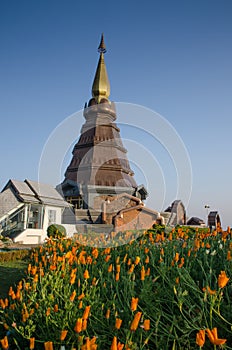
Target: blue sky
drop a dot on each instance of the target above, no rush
(173, 57)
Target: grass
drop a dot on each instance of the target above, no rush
(11, 272)
(13, 264)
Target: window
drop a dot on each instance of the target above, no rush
(51, 217)
(35, 216)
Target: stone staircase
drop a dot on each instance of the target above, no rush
(87, 220)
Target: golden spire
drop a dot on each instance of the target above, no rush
(101, 85)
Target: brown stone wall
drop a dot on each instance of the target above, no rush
(134, 219)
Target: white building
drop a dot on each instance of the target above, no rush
(27, 208)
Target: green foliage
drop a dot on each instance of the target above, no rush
(56, 231)
(157, 228)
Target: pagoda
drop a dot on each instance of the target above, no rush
(99, 182)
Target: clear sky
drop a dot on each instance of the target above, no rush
(172, 57)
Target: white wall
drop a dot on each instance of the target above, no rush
(58, 216)
(31, 236)
(70, 229)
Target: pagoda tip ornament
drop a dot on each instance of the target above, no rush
(102, 47)
(101, 85)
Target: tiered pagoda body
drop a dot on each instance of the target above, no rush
(99, 182)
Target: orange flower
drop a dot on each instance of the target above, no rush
(131, 270)
(2, 304)
(146, 325)
(72, 279)
(142, 273)
(181, 262)
(118, 323)
(110, 268)
(176, 257)
(12, 306)
(208, 290)
(80, 305)
(84, 325)
(114, 344)
(32, 343)
(86, 312)
(137, 260)
(147, 259)
(36, 278)
(89, 344)
(52, 267)
(229, 255)
(25, 316)
(48, 345)
(95, 253)
(135, 322)
(200, 337)
(81, 296)
(118, 268)
(72, 296)
(29, 268)
(108, 313)
(20, 285)
(4, 343)
(48, 311)
(184, 245)
(78, 325)
(213, 337)
(86, 346)
(56, 308)
(197, 244)
(86, 274)
(89, 260)
(120, 346)
(125, 257)
(222, 279)
(107, 258)
(63, 334)
(117, 276)
(134, 303)
(10, 291)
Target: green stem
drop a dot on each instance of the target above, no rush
(218, 313)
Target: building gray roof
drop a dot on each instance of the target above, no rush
(23, 191)
(47, 194)
(29, 191)
(8, 202)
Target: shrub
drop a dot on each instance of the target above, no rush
(56, 231)
(13, 255)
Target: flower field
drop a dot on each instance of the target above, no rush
(159, 291)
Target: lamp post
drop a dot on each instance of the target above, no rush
(207, 213)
